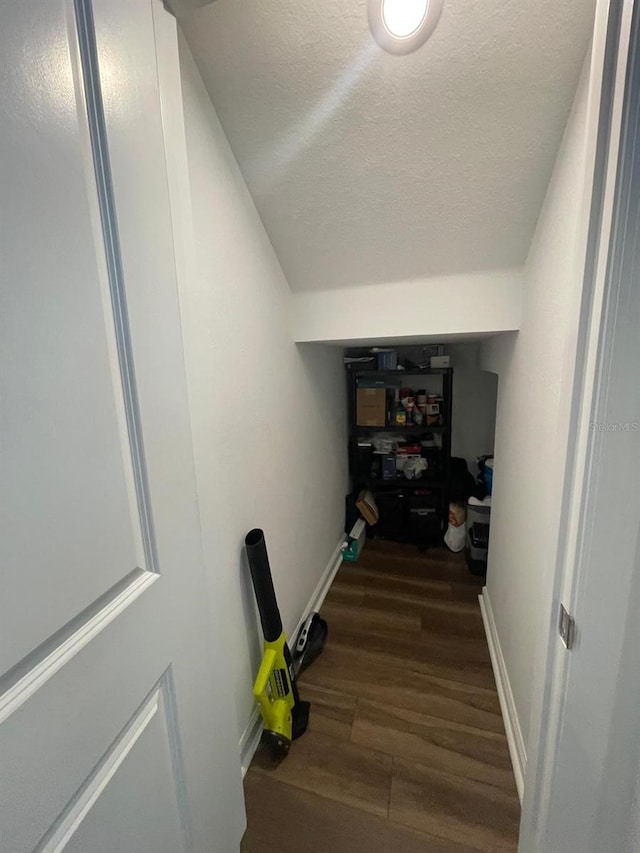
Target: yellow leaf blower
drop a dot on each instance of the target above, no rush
(284, 715)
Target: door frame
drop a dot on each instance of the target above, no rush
(610, 58)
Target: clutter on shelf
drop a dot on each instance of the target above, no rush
(400, 438)
(400, 358)
(379, 405)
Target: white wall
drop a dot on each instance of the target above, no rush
(535, 367)
(451, 305)
(269, 420)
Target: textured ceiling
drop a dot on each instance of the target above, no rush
(367, 167)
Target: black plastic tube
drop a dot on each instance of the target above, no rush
(263, 585)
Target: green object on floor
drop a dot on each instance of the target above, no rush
(355, 542)
(351, 552)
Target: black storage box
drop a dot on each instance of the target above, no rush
(392, 509)
(424, 523)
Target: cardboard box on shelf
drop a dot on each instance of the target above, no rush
(371, 406)
(440, 361)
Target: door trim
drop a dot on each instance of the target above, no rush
(67, 824)
(93, 108)
(32, 672)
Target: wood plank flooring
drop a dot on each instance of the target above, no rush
(406, 749)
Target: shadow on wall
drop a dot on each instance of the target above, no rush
(496, 358)
(251, 618)
(475, 400)
(323, 388)
(329, 414)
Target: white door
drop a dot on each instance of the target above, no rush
(114, 732)
(596, 771)
(584, 788)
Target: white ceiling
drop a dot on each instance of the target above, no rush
(367, 167)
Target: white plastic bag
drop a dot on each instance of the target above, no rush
(414, 466)
(454, 538)
(456, 534)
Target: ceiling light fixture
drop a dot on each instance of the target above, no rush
(401, 26)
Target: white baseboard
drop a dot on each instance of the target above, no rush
(253, 730)
(517, 748)
(321, 590)
(250, 739)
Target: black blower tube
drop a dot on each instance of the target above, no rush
(263, 584)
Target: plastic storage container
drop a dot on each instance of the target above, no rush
(488, 475)
(477, 545)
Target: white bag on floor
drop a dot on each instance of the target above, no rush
(456, 534)
(455, 537)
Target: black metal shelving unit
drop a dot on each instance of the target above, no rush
(401, 499)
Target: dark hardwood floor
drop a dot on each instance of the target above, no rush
(406, 748)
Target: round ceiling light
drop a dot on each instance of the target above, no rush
(401, 26)
(403, 18)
